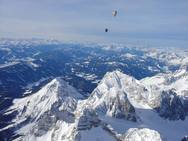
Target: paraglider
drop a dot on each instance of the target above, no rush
(114, 13)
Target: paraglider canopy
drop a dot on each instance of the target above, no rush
(114, 13)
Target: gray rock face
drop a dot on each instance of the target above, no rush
(45, 123)
(171, 106)
(110, 97)
(122, 108)
(185, 104)
(88, 120)
(116, 105)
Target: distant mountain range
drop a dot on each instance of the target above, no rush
(50, 90)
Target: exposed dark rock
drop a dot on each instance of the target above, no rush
(171, 106)
(184, 138)
(45, 123)
(88, 120)
(122, 108)
(185, 104)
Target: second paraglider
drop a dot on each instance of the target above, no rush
(106, 29)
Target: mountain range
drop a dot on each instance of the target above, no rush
(120, 108)
(56, 91)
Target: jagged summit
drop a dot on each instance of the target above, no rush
(116, 82)
(120, 108)
(116, 78)
(55, 92)
(56, 101)
(109, 98)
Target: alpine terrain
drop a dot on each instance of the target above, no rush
(120, 108)
(93, 70)
(54, 91)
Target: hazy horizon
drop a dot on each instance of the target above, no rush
(147, 21)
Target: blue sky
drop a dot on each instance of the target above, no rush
(157, 22)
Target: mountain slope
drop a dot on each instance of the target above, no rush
(120, 108)
(146, 102)
(40, 112)
(177, 81)
(173, 88)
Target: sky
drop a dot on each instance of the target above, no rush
(156, 22)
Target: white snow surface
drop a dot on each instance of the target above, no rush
(177, 81)
(48, 110)
(144, 134)
(44, 108)
(96, 134)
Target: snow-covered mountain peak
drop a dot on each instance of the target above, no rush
(120, 108)
(116, 96)
(115, 79)
(178, 81)
(117, 82)
(64, 89)
(56, 99)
